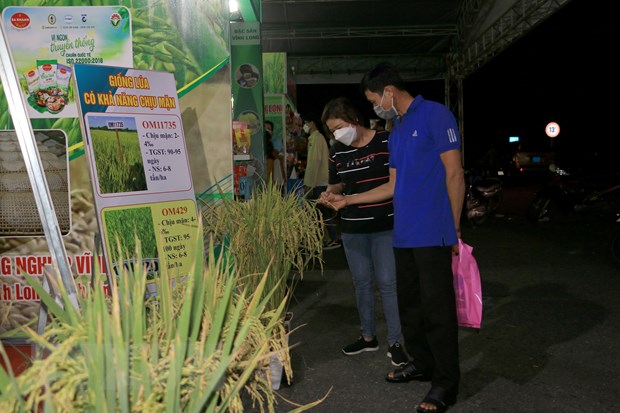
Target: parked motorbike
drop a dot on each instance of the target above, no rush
(482, 197)
(565, 194)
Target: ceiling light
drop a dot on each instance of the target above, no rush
(235, 14)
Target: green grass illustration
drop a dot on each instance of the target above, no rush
(118, 161)
(125, 225)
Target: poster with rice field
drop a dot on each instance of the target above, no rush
(274, 72)
(46, 41)
(139, 168)
(278, 76)
(190, 40)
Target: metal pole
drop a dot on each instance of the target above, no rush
(28, 145)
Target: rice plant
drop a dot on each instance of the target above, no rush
(197, 346)
(275, 231)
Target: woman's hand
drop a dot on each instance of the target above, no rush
(328, 198)
(334, 201)
(324, 199)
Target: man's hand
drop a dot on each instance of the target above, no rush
(455, 248)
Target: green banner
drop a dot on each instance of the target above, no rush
(247, 85)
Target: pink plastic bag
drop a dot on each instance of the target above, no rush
(467, 287)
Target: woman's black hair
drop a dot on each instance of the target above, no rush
(341, 108)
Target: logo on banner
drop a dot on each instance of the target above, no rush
(115, 19)
(20, 20)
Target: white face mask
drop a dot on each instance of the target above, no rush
(306, 128)
(388, 114)
(346, 135)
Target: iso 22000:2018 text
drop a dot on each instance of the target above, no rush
(86, 60)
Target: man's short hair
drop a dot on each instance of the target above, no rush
(382, 75)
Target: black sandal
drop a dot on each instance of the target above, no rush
(438, 397)
(407, 373)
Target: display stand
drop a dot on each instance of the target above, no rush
(107, 35)
(36, 173)
(20, 350)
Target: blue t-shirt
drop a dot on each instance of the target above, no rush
(422, 211)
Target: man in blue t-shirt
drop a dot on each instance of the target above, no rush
(427, 186)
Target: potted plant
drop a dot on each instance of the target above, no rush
(195, 346)
(274, 232)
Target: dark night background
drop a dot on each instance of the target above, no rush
(560, 71)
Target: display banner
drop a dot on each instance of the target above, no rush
(247, 85)
(278, 76)
(46, 41)
(274, 112)
(274, 73)
(190, 40)
(139, 168)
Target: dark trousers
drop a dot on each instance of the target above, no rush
(428, 312)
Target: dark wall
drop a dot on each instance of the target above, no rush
(312, 98)
(561, 71)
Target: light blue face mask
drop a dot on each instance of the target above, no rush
(388, 114)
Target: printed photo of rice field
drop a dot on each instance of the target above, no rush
(118, 158)
(123, 227)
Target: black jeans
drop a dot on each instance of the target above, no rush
(427, 310)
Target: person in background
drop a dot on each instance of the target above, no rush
(377, 124)
(271, 155)
(427, 186)
(316, 174)
(359, 162)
